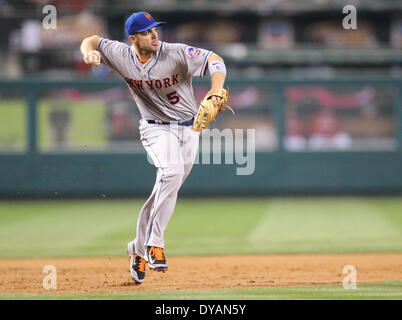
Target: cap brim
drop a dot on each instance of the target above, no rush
(151, 26)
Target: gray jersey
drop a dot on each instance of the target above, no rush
(162, 86)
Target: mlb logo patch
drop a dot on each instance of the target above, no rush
(192, 52)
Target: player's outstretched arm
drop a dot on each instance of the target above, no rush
(215, 63)
(89, 50)
(216, 99)
(217, 69)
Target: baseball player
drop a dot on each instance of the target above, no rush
(159, 76)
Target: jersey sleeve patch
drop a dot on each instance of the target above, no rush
(192, 52)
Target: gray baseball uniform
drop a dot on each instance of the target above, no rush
(162, 90)
(161, 87)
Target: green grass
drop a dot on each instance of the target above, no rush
(57, 228)
(391, 290)
(62, 228)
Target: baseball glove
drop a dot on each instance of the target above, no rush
(207, 111)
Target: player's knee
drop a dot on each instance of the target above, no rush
(173, 172)
(173, 178)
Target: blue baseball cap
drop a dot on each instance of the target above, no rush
(139, 22)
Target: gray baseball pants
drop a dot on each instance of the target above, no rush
(173, 149)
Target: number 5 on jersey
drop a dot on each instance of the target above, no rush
(173, 97)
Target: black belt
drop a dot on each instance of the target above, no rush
(180, 123)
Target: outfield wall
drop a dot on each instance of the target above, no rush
(370, 165)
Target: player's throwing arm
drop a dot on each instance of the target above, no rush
(92, 56)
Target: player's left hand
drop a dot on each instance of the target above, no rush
(216, 100)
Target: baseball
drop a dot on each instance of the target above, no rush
(93, 58)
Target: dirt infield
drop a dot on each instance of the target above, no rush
(111, 274)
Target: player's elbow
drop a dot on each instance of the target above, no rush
(92, 40)
(89, 44)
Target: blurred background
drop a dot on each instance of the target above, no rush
(325, 102)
